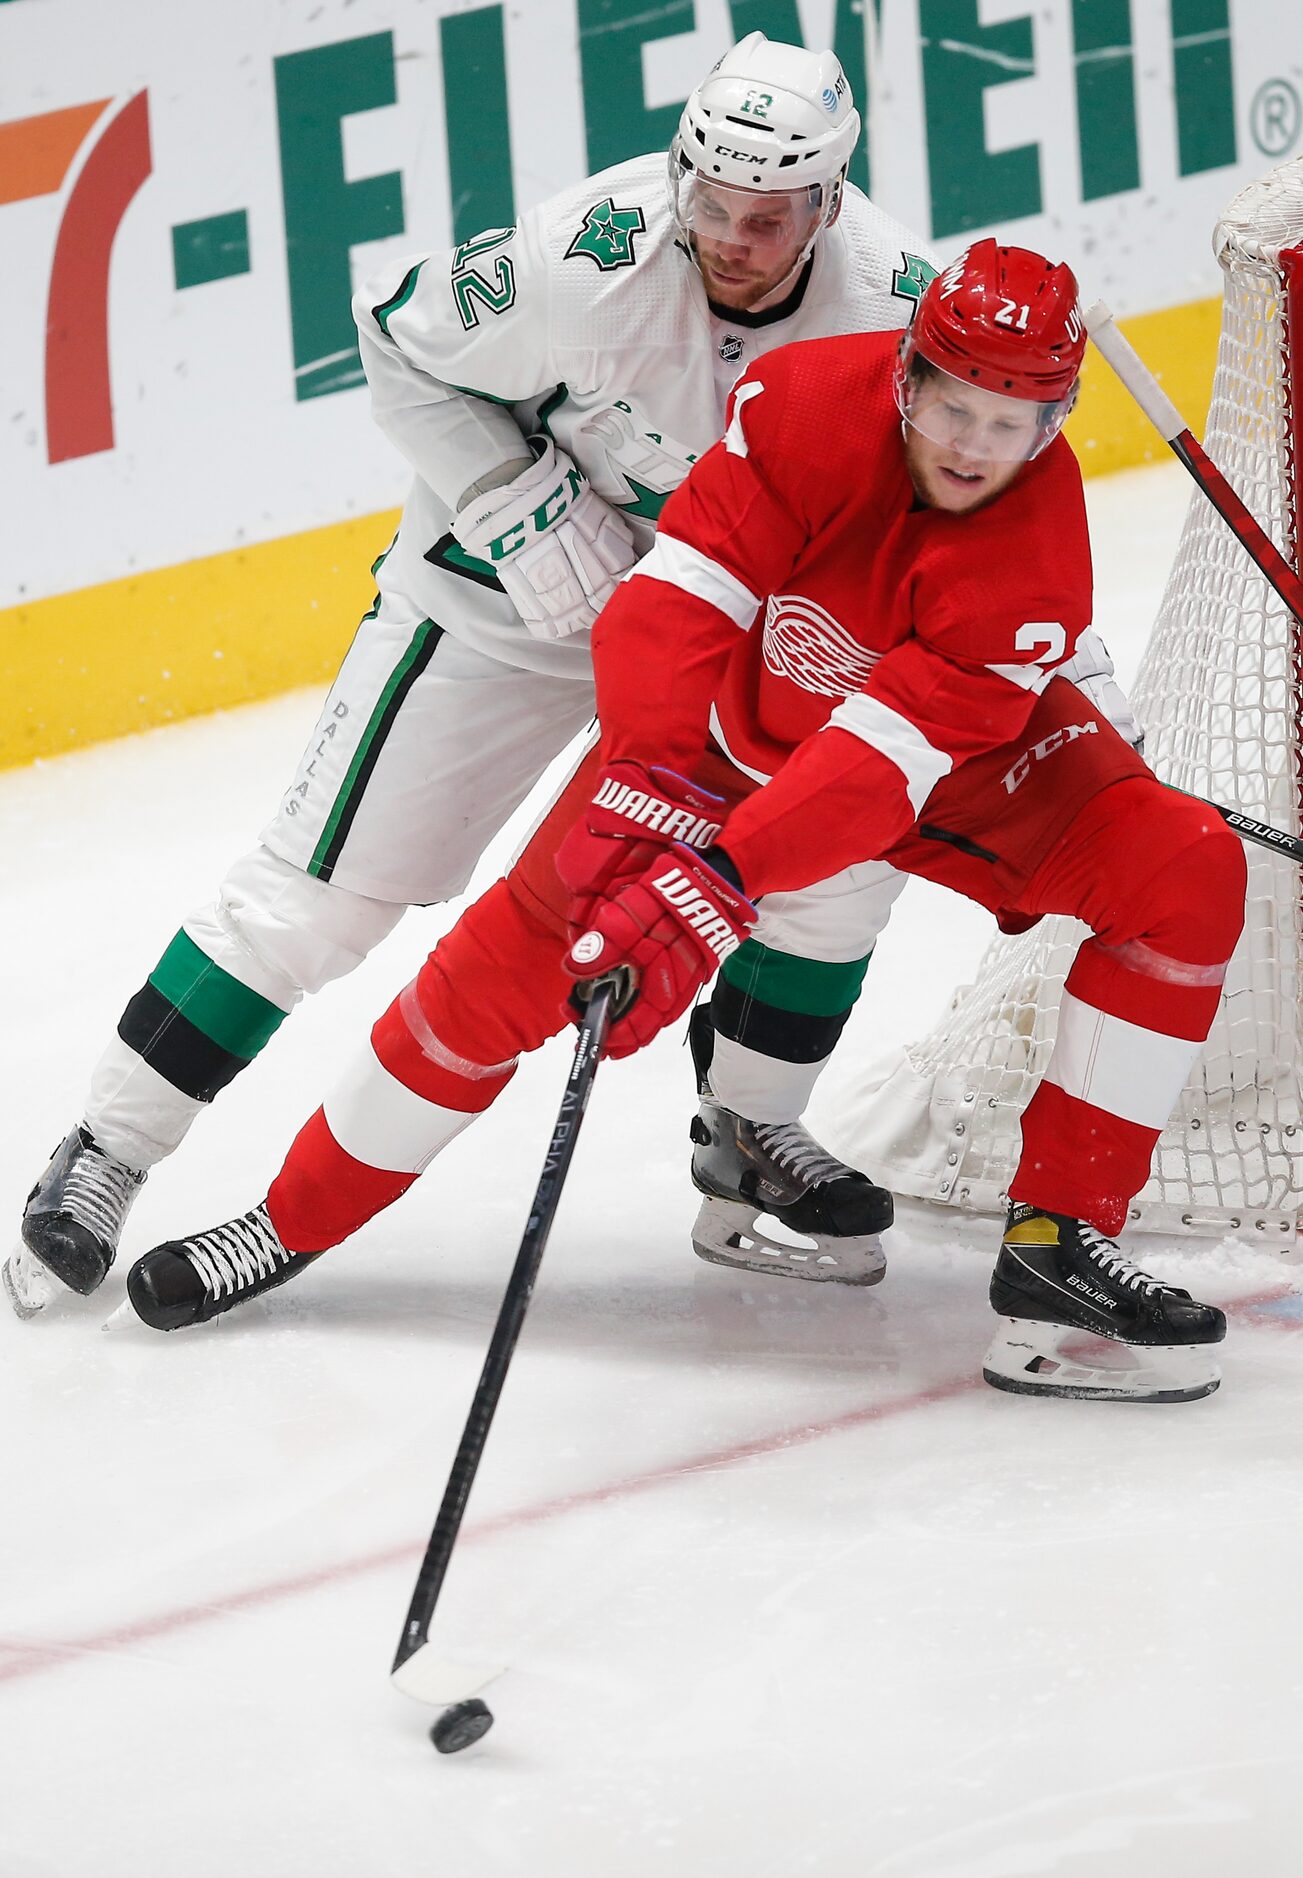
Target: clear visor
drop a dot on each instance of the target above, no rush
(971, 422)
(768, 220)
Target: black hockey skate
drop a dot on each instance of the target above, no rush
(1078, 1320)
(71, 1224)
(749, 1169)
(189, 1281)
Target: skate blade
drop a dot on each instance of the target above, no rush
(29, 1285)
(125, 1318)
(1030, 1358)
(727, 1233)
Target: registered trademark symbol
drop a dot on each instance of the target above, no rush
(1275, 117)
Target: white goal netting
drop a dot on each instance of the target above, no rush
(1218, 692)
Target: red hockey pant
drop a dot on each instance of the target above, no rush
(1160, 880)
(1157, 877)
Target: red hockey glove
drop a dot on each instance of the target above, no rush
(673, 927)
(634, 812)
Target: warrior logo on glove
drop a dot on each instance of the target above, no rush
(695, 910)
(641, 809)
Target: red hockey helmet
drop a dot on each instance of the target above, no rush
(1007, 321)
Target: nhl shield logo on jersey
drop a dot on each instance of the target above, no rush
(730, 348)
(607, 235)
(806, 644)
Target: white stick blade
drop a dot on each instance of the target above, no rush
(438, 1682)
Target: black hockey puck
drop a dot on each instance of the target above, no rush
(460, 1725)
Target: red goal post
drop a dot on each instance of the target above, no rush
(1220, 694)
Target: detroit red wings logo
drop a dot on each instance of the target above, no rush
(804, 643)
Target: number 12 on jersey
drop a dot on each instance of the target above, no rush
(471, 289)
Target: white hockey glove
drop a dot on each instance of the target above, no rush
(1090, 669)
(557, 548)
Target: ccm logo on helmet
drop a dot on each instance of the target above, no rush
(740, 156)
(1057, 740)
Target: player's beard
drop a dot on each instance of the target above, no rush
(750, 292)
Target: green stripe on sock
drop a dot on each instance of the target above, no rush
(227, 1012)
(377, 727)
(810, 986)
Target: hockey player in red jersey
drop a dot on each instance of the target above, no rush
(847, 635)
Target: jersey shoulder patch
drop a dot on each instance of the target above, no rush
(911, 280)
(607, 235)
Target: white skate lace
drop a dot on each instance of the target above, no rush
(97, 1191)
(796, 1150)
(233, 1257)
(1105, 1254)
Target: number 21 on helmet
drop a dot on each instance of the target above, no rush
(1004, 322)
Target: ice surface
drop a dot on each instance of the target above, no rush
(783, 1587)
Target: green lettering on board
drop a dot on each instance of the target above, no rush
(478, 120)
(325, 213)
(972, 186)
(1203, 83)
(612, 34)
(611, 37)
(1106, 97)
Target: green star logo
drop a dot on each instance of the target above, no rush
(647, 503)
(607, 235)
(912, 280)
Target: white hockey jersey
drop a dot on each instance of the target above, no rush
(588, 321)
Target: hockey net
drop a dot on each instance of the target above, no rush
(1218, 692)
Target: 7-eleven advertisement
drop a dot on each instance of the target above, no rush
(193, 491)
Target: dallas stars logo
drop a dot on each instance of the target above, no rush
(607, 235)
(912, 281)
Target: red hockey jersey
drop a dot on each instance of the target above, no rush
(802, 609)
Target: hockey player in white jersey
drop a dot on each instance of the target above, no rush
(550, 385)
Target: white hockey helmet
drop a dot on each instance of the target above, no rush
(770, 117)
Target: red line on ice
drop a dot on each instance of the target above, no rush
(20, 1659)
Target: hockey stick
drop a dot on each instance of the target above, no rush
(1172, 427)
(1261, 833)
(416, 1671)
(1253, 538)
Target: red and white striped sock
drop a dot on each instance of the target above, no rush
(1133, 1018)
(493, 984)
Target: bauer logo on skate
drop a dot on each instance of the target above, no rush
(806, 644)
(1022, 769)
(695, 910)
